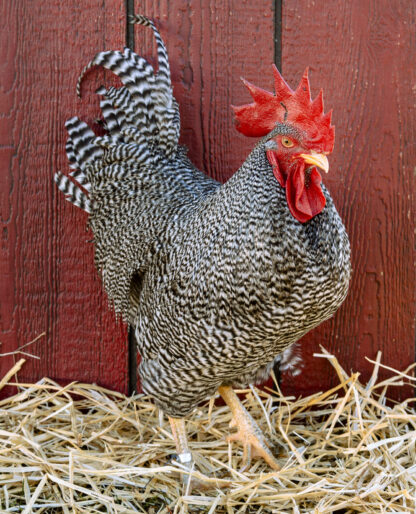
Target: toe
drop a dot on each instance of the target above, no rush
(254, 446)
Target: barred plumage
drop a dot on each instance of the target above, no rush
(72, 192)
(216, 280)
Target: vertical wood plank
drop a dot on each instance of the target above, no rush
(360, 52)
(48, 281)
(210, 46)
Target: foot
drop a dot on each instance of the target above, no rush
(184, 458)
(248, 432)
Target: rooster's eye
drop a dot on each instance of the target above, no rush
(287, 142)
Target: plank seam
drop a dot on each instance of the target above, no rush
(132, 345)
(277, 6)
(278, 33)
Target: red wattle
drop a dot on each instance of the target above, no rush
(271, 157)
(305, 199)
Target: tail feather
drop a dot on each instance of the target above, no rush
(81, 150)
(72, 192)
(111, 120)
(133, 101)
(166, 108)
(150, 104)
(130, 113)
(82, 137)
(163, 74)
(80, 178)
(69, 147)
(141, 118)
(112, 174)
(123, 152)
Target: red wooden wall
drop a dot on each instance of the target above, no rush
(360, 52)
(48, 282)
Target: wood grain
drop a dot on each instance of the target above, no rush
(359, 53)
(48, 281)
(211, 45)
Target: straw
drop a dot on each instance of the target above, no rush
(83, 448)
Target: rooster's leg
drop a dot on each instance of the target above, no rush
(248, 433)
(185, 457)
(181, 441)
(184, 453)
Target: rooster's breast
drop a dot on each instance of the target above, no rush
(240, 286)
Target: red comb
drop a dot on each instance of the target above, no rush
(296, 107)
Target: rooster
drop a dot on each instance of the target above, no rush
(217, 280)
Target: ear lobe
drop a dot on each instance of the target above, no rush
(270, 145)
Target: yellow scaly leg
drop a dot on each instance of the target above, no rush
(248, 433)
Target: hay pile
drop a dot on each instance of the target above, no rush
(82, 448)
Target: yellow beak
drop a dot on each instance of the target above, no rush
(318, 159)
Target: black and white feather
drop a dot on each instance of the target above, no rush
(218, 281)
